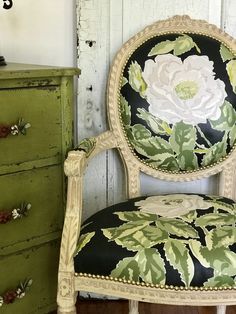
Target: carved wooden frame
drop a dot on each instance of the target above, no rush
(68, 281)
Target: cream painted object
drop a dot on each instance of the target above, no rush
(180, 36)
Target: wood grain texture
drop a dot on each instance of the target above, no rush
(229, 17)
(93, 59)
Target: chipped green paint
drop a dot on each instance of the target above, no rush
(31, 170)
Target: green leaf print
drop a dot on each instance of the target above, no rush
(162, 48)
(140, 132)
(223, 236)
(183, 137)
(225, 53)
(220, 281)
(227, 119)
(136, 215)
(127, 269)
(168, 163)
(184, 44)
(232, 135)
(87, 145)
(222, 260)
(189, 217)
(231, 70)
(177, 227)
(152, 267)
(154, 148)
(196, 248)
(124, 81)
(138, 239)
(178, 256)
(136, 80)
(129, 235)
(158, 126)
(215, 219)
(180, 45)
(83, 240)
(215, 152)
(187, 160)
(125, 111)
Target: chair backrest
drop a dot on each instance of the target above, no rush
(172, 100)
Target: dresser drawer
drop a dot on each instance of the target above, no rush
(42, 188)
(39, 106)
(38, 264)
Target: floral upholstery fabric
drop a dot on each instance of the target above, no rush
(178, 101)
(179, 239)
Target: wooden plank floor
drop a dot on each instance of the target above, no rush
(121, 307)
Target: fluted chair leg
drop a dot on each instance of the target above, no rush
(221, 309)
(66, 310)
(133, 307)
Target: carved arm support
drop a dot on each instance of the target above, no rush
(74, 168)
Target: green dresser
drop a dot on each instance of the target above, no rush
(36, 104)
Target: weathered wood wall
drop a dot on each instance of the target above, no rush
(103, 25)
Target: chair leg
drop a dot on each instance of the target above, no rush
(64, 310)
(65, 307)
(133, 307)
(221, 309)
(66, 294)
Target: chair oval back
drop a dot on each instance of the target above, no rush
(172, 98)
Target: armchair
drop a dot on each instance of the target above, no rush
(171, 102)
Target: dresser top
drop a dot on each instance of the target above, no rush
(20, 70)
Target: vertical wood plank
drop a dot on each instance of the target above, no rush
(229, 17)
(115, 170)
(149, 11)
(215, 12)
(93, 59)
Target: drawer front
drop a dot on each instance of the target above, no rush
(42, 188)
(39, 264)
(40, 107)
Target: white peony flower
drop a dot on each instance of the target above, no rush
(183, 90)
(173, 205)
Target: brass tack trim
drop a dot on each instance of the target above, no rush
(157, 286)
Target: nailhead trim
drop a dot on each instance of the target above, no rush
(149, 285)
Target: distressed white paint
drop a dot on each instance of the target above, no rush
(39, 32)
(93, 59)
(229, 20)
(111, 23)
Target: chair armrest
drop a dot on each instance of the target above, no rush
(74, 167)
(86, 150)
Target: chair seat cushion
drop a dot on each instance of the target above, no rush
(178, 240)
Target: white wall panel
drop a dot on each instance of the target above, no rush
(39, 32)
(229, 18)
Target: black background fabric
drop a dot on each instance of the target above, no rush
(100, 257)
(209, 47)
